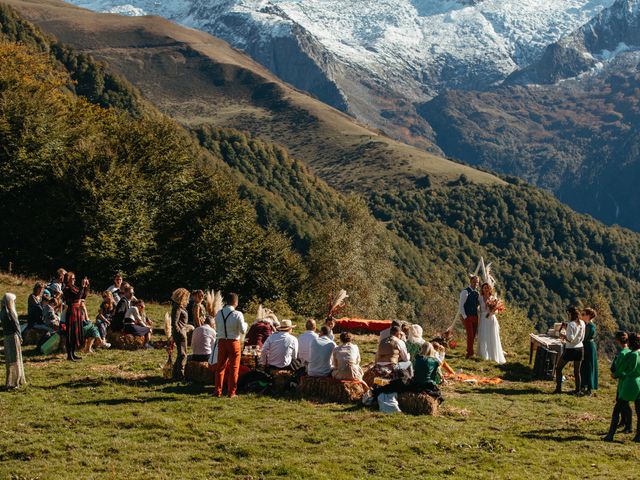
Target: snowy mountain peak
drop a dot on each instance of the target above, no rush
(374, 57)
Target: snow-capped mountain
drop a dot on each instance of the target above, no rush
(376, 58)
(614, 31)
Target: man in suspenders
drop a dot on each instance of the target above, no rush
(468, 309)
(230, 326)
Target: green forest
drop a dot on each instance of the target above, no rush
(95, 179)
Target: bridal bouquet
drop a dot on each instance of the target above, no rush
(495, 305)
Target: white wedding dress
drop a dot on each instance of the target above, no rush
(489, 344)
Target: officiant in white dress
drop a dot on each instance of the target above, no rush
(489, 344)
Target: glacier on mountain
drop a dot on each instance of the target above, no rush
(421, 46)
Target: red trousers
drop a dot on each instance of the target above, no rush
(228, 355)
(471, 326)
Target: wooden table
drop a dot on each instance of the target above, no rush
(544, 340)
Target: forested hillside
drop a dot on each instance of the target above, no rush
(124, 187)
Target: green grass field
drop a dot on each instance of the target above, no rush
(114, 416)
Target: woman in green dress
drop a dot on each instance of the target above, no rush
(426, 376)
(589, 368)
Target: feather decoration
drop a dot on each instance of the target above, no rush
(338, 302)
(167, 325)
(213, 302)
(217, 303)
(208, 301)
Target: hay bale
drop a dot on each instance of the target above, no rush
(199, 372)
(375, 371)
(281, 381)
(327, 389)
(125, 341)
(418, 404)
(33, 336)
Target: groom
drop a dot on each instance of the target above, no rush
(468, 308)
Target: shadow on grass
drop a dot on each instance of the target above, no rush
(511, 391)
(517, 372)
(124, 401)
(91, 382)
(554, 435)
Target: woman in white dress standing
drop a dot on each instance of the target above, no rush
(489, 344)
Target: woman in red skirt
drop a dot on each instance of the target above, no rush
(75, 313)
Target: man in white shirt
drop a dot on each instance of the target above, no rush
(320, 357)
(304, 340)
(393, 350)
(573, 349)
(280, 349)
(230, 326)
(202, 340)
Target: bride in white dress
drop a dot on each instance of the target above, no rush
(489, 344)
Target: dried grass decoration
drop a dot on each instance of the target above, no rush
(199, 372)
(125, 341)
(418, 404)
(327, 389)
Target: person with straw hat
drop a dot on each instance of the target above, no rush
(280, 349)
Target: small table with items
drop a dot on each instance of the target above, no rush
(250, 357)
(547, 357)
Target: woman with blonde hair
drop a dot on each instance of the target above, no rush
(179, 329)
(12, 342)
(426, 374)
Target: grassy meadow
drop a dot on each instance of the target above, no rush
(114, 416)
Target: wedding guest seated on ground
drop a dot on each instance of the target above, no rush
(392, 350)
(346, 360)
(425, 378)
(386, 333)
(114, 289)
(441, 354)
(202, 340)
(414, 341)
(425, 374)
(321, 354)
(195, 309)
(136, 322)
(258, 333)
(304, 340)
(34, 307)
(105, 314)
(281, 349)
(91, 333)
(122, 307)
(50, 317)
